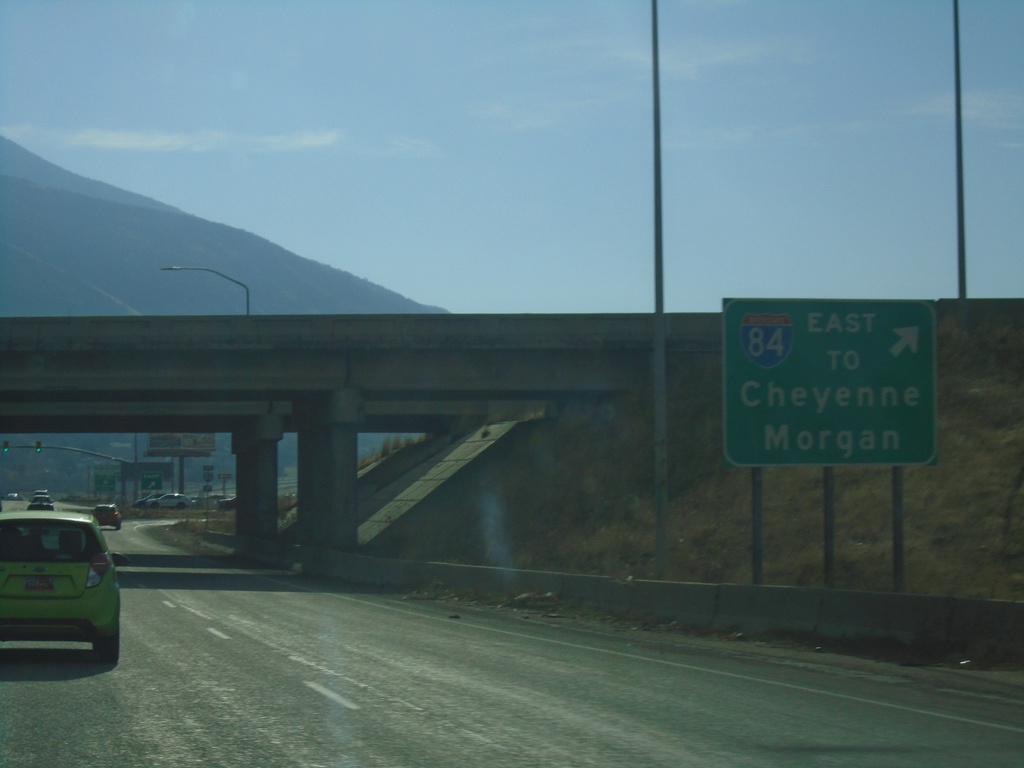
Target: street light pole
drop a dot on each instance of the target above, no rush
(221, 274)
(961, 246)
(659, 368)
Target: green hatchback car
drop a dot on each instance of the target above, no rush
(58, 581)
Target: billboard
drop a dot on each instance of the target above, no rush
(181, 443)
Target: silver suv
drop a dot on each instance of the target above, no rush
(171, 501)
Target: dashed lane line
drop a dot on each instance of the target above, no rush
(328, 693)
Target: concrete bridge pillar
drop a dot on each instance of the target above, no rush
(255, 449)
(328, 465)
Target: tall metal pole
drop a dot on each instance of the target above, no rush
(961, 241)
(660, 405)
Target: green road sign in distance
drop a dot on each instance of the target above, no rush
(828, 382)
(151, 481)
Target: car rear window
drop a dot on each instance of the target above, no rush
(27, 541)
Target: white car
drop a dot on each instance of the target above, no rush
(171, 501)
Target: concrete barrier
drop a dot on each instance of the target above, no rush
(692, 605)
(744, 608)
(909, 619)
(992, 629)
(594, 591)
(987, 629)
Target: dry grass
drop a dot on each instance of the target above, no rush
(575, 493)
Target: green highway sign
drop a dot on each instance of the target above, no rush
(105, 477)
(151, 481)
(828, 382)
(105, 483)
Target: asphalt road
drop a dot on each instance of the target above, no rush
(223, 666)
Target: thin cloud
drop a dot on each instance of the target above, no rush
(996, 109)
(203, 141)
(699, 59)
(147, 141)
(408, 147)
(517, 115)
(522, 114)
(298, 141)
(602, 60)
(16, 132)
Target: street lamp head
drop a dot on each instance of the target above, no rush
(171, 269)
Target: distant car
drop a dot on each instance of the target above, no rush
(226, 504)
(13, 497)
(171, 501)
(59, 581)
(107, 514)
(40, 504)
(143, 503)
(41, 497)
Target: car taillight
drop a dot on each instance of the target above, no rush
(98, 567)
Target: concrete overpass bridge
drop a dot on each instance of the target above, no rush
(327, 378)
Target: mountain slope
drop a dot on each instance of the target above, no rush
(97, 250)
(19, 162)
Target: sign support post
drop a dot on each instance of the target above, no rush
(898, 568)
(757, 515)
(829, 481)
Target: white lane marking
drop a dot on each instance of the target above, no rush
(676, 664)
(150, 525)
(168, 603)
(477, 737)
(249, 628)
(327, 692)
(217, 633)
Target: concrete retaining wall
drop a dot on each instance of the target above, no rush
(989, 627)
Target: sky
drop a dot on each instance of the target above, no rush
(497, 156)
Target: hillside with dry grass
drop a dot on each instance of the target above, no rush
(574, 494)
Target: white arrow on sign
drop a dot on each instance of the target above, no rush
(908, 338)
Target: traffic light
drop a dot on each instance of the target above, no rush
(7, 446)
(39, 446)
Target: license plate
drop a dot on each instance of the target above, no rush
(39, 584)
